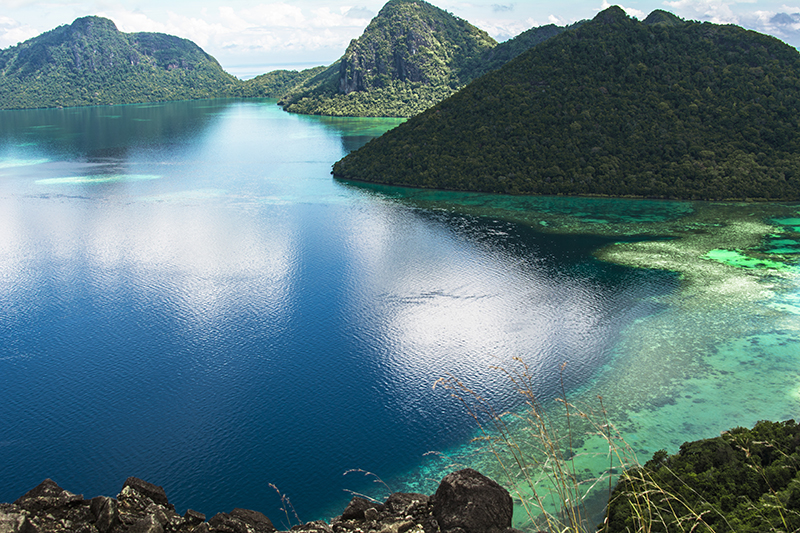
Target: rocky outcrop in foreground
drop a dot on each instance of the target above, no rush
(465, 502)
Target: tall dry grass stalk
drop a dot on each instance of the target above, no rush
(539, 452)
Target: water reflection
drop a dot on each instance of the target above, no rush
(244, 319)
(105, 132)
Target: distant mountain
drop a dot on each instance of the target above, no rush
(276, 83)
(91, 62)
(411, 56)
(661, 108)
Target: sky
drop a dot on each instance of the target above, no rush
(250, 37)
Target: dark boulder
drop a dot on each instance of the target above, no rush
(318, 526)
(468, 501)
(193, 518)
(258, 522)
(154, 492)
(357, 507)
(405, 502)
(225, 523)
(105, 512)
(47, 495)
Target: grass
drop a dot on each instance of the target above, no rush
(552, 478)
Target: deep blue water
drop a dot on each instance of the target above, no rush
(187, 296)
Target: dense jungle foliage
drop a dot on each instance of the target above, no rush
(276, 83)
(661, 108)
(504, 52)
(411, 56)
(90, 62)
(747, 481)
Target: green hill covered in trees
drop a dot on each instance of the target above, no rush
(276, 83)
(744, 481)
(91, 62)
(411, 56)
(660, 108)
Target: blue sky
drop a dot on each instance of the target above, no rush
(250, 36)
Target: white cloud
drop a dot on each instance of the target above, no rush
(245, 32)
(632, 12)
(502, 30)
(12, 32)
(717, 11)
(325, 18)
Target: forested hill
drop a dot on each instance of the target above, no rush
(90, 62)
(409, 57)
(659, 108)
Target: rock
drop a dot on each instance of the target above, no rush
(154, 492)
(355, 509)
(13, 520)
(106, 513)
(258, 522)
(193, 518)
(398, 527)
(147, 524)
(371, 514)
(318, 526)
(225, 523)
(47, 495)
(468, 500)
(404, 502)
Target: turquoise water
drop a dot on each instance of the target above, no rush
(187, 296)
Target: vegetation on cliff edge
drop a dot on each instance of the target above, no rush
(746, 480)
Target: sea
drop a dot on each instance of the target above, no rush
(189, 297)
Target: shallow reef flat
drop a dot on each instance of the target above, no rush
(723, 351)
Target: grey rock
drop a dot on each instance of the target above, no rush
(47, 495)
(225, 523)
(403, 502)
(468, 500)
(14, 520)
(106, 513)
(147, 524)
(357, 506)
(193, 518)
(154, 492)
(371, 514)
(258, 522)
(318, 526)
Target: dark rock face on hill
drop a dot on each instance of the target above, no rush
(410, 56)
(91, 62)
(663, 108)
(467, 502)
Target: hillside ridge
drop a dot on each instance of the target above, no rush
(90, 62)
(663, 108)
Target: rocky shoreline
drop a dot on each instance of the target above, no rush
(465, 502)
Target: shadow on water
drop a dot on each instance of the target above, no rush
(102, 132)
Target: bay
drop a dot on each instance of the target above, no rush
(187, 296)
